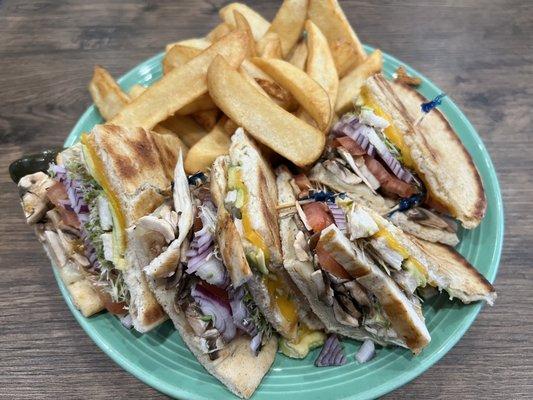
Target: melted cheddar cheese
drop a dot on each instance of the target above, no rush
(281, 299)
(95, 167)
(396, 246)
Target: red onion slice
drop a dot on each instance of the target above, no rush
(332, 353)
(366, 351)
(338, 216)
(216, 307)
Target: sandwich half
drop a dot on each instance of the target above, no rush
(219, 321)
(94, 191)
(345, 281)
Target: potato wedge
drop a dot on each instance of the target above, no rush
(289, 23)
(206, 119)
(281, 96)
(206, 150)
(263, 119)
(309, 94)
(270, 47)
(136, 90)
(186, 128)
(106, 93)
(178, 55)
(298, 58)
(320, 64)
(218, 32)
(258, 24)
(350, 85)
(202, 103)
(345, 46)
(229, 126)
(180, 86)
(242, 23)
(197, 43)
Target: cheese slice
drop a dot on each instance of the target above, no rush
(95, 167)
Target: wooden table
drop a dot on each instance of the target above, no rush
(478, 51)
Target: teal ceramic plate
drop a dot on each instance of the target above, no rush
(161, 359)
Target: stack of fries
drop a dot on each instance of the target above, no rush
(285, 82)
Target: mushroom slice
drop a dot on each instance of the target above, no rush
(32, 190)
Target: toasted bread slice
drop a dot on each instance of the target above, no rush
(438, 155)
(462, 279)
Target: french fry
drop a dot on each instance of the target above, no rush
(186, 128)
(206, 119)
(309, 94)
(180, 86)
(288, 24)
(178, 55)
(345, 46)
(263, 119)
(202, 103)
(299, 54)
(106, 93)
(350, 85)
(281, 96)
(207, 149)
(258, 24)
(270, 47)
(229, 126)
(320, 64)
(218, 32)
(197, 43)
(242, 23)
(136, 90)
(252, 82)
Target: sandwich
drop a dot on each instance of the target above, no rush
(346, 276)
(82, 206)
(404, 162)
(217, 320)
(243, 188)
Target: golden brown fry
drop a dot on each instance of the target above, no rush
(258, 24)
(106, 93)
(309, 94)
(252, 81)
(179, 55)
(298, 58)
(281, 96)
(186, 128)
(218, 32)
(197, 43)
(289, 23)
(350, 85)
(229, 126)
(403, 77)
(320, 64)
(345, 46)
(206, 150)
(202, 103)
(207, 119)
(136, 90)
(262, 118)
(270, 47)
(180, 86)
(242, 23)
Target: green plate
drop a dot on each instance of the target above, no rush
(161, 359)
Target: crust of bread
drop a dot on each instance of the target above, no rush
(135, 169)
(462, 279)
(440, 158)
(260, 182)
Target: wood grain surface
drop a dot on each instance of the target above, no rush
(478, 51)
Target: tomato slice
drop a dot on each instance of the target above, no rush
(387, 181)
(328, 263)
(318, 215)
(350, 145)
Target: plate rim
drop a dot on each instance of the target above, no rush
(380, 390)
